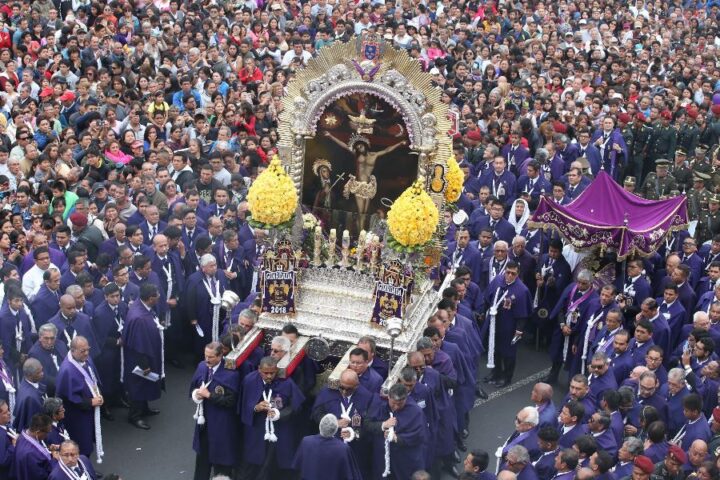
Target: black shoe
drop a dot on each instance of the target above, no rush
(177, 363)
(456, 459)
(480, 393)
(151, 412)
(106, 414)
(124, 403)
(140, 424)
(465, 433)
(489, 379)
(452, 470)
(502, 383)
(461, 445)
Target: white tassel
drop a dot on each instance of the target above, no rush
(390, 437)
(199, 415)
(269, 422)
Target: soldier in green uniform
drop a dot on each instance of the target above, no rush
(658, 184)
(670, 468)
(680, 170)
(629, 185)
(663, 139)
(700, 162)
(626, 130)
(699, 196)
(687, 133)
(642, 131)
(709, 222)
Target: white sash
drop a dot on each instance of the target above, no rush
(40, 447)
(493, 311)
(169, 277)
(71, 473)
(215, 301)
(162, 344)
(590, 326)
(120, 326)
(92, 384)
(494, 273)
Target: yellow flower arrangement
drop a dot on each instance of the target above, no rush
(272, 198)
(454, 177)
(413, 218)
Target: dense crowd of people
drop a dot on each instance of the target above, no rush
(130, 133)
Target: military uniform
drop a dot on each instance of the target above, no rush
(641, 139)
(657, 187)
(709, 221)
(662, 473)
(630, 168)
(662, 142)
(698, 199)
(714, 445)
(687, 137)
(682, 175)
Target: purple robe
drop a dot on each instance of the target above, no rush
(406, 456)
(8, 325)
(57, 258)
(28, 402)
(371, 380)
(81, 325)
(31, 464)
(567, 439)
(199, 307)
(363, 405)
(676, 418)
(545, 465)
(45, 305)
(657, 451)
(444, 443)
(606, 441)
(612, 160)
(107, 333)
(288, 399)
(153, 278)
(142, 342)
(326, 458)
(77, 397)
(221, 424)
(691, 431)
(598, 385)
(50, 371)
(7, 454)
(58, 474)
(506, 321)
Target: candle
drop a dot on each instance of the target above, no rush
(346, 239)
(332, 241)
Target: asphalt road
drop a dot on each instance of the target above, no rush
(165, 452)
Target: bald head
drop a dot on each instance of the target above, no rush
(68, 306)
(506, 475)
(349, 377)
(542, 392)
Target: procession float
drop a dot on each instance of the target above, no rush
(354, 207)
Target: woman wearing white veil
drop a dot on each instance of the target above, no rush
(519, 215)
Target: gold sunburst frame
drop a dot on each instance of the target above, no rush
(343, 69)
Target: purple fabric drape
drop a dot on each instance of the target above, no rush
(605, 214)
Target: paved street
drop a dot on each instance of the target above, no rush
(165, 451)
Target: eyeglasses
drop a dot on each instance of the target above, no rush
(596, 367)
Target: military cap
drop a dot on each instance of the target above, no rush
(714, 198)
(700, 177)
(680, 151)
(662, 162)
(630, 181)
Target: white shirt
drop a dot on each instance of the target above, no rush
(33, 280)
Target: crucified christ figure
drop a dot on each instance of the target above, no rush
(363, 185)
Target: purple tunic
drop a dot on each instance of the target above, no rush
(77, 396)
(31, 464)
(520, 302)
(288, 399)
(220, 420)
(45, 305)
(28, 402)
(58, 474)
(107, 334)
(7, 454)
(45, 358)
(142, 341)
(326, 458)
(406, 455)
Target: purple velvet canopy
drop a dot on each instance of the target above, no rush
(605, 214)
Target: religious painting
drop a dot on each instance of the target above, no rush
(359, 156)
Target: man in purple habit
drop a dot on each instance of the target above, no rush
(108, 327)
(32, 460)
(326, 456)
(443, 445)
(357, 403)
(45, 303)
(402, 423)
(612, 146)
(203, 292)
(142, 273)
(72, 462)
(7, 447)
(511, 299)
(369, 378)
(266, 410)
(50, 354)
(215, 390)
(15, 328)
(75, 378)
(71, 323)
(29, 399)
(143, 342)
